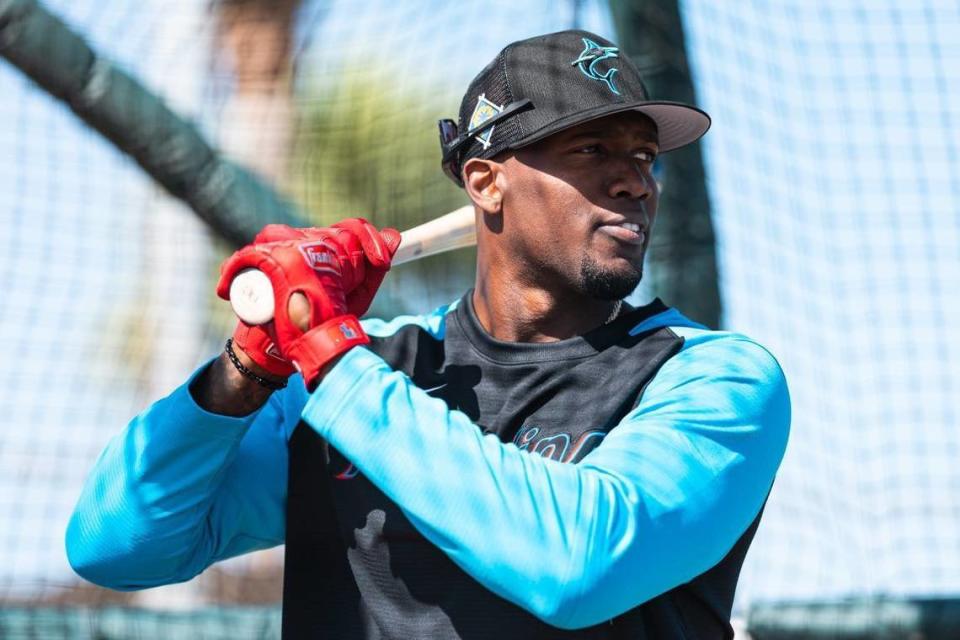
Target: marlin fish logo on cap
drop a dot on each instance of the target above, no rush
(537, 87)
(593, 54)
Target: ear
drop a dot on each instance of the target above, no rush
(483, 180)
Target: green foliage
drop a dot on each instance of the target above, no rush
(368, 147)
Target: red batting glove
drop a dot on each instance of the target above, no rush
(368, 251)
(378, 248)
(259, 341)
(317, 269)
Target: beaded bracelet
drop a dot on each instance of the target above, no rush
(247, 373)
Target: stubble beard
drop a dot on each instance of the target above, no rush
(608, 284)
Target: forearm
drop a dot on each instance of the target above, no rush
(497, 512)
(141, 519)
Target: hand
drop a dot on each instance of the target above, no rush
(259, 342)
(369, 250)
(378, 250)
(317, 269)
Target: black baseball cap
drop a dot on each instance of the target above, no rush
(539, 86)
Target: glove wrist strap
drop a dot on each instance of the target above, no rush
(311, 352)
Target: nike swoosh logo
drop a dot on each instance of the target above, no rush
(435, 388)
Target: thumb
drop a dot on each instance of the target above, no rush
(378, 246)
(240, 260)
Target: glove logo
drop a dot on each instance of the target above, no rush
(592, 55)
(273, 352)
(320, 256)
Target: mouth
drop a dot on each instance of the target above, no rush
(626, 232)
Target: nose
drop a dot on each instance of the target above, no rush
(629, 180)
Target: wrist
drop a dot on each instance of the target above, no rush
(248, 368)
(275, 379)
(315, 352)
(223, 390)
(260, 353)
(324, 371)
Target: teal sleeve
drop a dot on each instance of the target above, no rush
(662, 499)
(179, 489)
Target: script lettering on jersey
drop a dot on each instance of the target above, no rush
(559, 446)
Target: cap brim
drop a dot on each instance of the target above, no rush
(678, 124)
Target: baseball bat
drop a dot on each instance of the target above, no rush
(251, 294)
(231, 199)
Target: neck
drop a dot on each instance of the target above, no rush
(515, 312)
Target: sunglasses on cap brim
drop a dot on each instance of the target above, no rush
(451, 142)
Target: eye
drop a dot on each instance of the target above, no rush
(588, 148)
(645, 155)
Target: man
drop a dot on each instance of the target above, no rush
(536, 460)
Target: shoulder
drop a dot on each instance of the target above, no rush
(704, 351)
(723, 354)
(406, 342)
(720, 378)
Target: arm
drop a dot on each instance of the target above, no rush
(222, 389)
(202, 475)
(182, 487)
(661, 500)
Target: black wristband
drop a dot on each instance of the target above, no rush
(247, 373)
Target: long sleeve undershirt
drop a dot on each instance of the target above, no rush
(662, 499)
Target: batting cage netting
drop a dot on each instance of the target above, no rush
(833, 177)
(833, 169)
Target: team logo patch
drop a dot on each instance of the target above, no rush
(347, 332)
(320, 257)
(589, 63)
(481, 113)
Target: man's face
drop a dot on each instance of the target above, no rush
(579, 205)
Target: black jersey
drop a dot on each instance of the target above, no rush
(356, 567)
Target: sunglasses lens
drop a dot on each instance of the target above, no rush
(448, 131)
(450, 169)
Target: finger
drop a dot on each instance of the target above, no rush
(298, 310)
(376, 246)
(277, 232)
(240, 260)
(391, 238)
(348, 250)
(345, 247)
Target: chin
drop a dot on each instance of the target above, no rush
(609, 282)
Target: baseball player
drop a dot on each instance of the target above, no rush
(537, 459)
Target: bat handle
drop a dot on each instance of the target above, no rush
(251, 296)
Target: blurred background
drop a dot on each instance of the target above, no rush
(820, 216)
